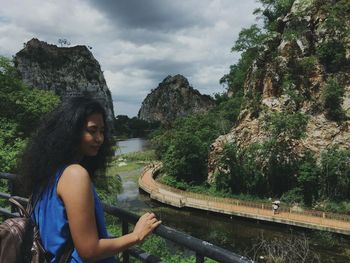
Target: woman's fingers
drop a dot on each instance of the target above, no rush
(155, 224)
(146, 214)
(153, 220)
(150, 215)
(146, 224)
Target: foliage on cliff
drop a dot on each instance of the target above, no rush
(294, 72)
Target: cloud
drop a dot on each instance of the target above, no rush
(152, 15)
(137, 42)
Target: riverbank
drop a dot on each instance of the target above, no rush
(174, 197)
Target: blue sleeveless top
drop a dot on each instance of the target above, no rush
(51, 217)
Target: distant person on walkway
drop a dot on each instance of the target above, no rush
(275, 206)
(58, 167)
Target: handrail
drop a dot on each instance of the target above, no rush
(204, 248)
(200, 247)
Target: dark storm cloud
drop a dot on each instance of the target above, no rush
(141, 36)
(153, 15)
(158, 69)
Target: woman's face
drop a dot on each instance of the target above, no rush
(92, 135)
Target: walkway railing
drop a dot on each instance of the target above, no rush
(338, 223)
(265, 206)
(202, 249)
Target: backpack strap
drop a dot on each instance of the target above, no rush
(22, 211)
(67, 252)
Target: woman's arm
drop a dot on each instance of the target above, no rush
(75, 189)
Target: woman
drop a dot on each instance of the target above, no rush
(58, 167)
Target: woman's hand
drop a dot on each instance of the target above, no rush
(145, 226)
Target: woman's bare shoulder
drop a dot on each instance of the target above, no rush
(73, 177)
(75, 170)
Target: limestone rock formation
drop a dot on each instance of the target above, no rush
(173, 97)
(68, 71)
(290, 76)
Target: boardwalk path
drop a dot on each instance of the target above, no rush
(309, 219)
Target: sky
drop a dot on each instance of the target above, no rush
(137, 42)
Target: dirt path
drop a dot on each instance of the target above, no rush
(178, 198)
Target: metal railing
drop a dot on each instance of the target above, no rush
(201, 248)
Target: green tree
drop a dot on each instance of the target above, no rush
(20, 111)
(271, 10)
(308, 178)
(282, 162)
(335, 174)
(239, 171)
(250, 41)
(184, 148)
(251, 38)
(186, 158)
(229, 110)
(10, 145)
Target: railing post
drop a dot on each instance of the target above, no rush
(125, 230)
(199, 258)
(11, 191)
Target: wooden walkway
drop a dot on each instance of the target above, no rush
(175, 197)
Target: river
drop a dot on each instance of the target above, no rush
(233, 233)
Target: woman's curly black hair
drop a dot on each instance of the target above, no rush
(56, 143)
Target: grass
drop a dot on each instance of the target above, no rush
(129, 162)
(144, 156)
(341, 207)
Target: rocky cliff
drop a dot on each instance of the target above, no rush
(68, 71)
(173, 97)
(310, 49)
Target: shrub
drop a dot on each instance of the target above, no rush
(293, 196)
(333, 99)
(332, 55)
(289, 125)
(307, 65)
(288, 88)
(286, 250)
